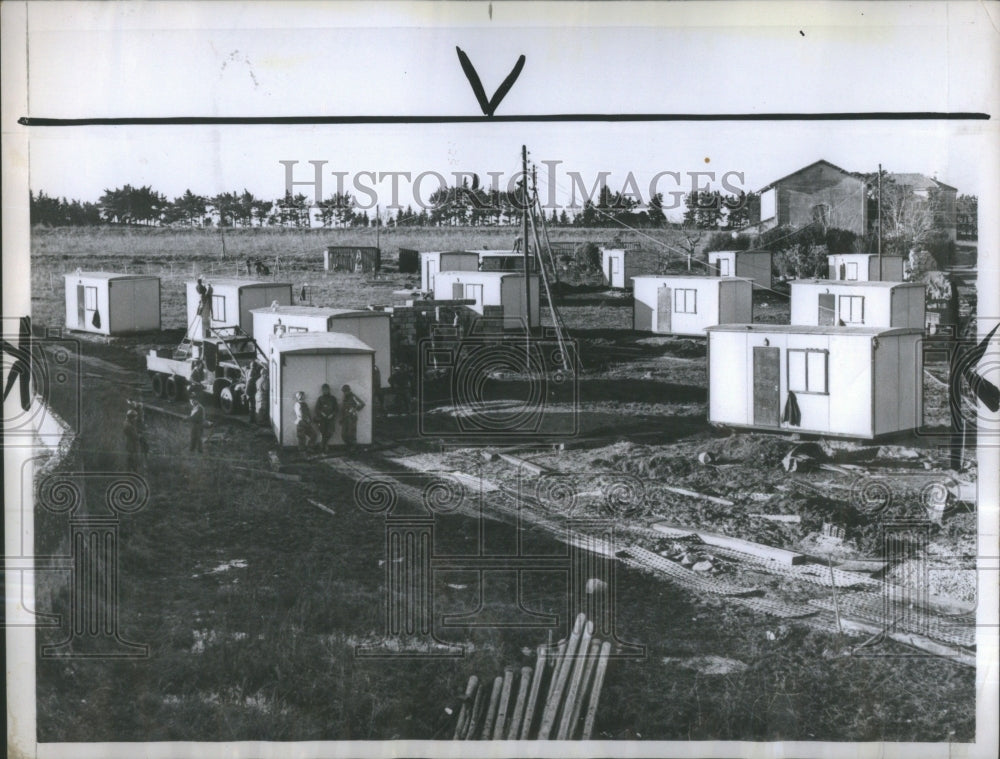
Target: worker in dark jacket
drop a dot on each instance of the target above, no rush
(133, 446)
(205, 306)
(326, 416)
(305, 430)
(196, 418)
(250, 393)
(350, 407)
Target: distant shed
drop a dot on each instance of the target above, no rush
(409, 261)
(308, 360)
(859, 382)
(865, 267)
(685, 305)
(434, 261)
(371, 327)
(350, 258)
(107, 303)
(618, 267)
(505, 260)
(233, 301)
(823, 302)
(747, 264)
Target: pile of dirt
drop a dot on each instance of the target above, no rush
(748, 449)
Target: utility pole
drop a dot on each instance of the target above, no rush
(880, 222)
(524, 243)
(378, 226)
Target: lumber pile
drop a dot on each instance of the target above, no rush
(555, 700)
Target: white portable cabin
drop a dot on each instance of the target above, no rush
(858, 382)
(885, 305)
(233, 301)
(681, 305)
(864, 267)
(370, 327)
(617, 268)
(432, 262)
(306, 361)
(112, 304)
(747, 264)
(491, 288)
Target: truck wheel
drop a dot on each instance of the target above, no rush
(159, 384)
(174, 388)
(228, 401)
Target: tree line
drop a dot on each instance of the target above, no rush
(461, 205)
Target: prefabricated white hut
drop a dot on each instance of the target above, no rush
(431, 262)
(233, 301)
(859, 382)
(864, 267)
(306, 361)
(370, 327)
(747, 264)
(823, 302)
(681, 305)
(491, 288)
(617, 267)
(112, 304)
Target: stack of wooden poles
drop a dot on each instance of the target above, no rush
(550, 699)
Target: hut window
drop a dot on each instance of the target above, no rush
(298, 329)
(218, 308)
(474, 292)
(807, 371)
(851, 274)
(852, 309)
(685, 301)
(90, 298)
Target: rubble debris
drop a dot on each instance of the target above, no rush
(789, 518)
(705, 458)
(693, 494)
(708, 665)
(517, 461)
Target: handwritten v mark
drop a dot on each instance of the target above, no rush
(488, 106)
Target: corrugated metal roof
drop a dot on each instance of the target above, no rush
(320, 311)
(319, 342)
(804, 168)
(799, 329)
(108, 275)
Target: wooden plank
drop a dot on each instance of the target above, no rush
(500, 727)
(517, 461)
(703, 496)
(552, 705)
(770, 553)
(462, 723)
(595, 691)
(491, 710)
(579, 664)
(476, 713)
(595, 648)
(514, 730)
(536, 685)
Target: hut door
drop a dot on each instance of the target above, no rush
(827, 315)
(431, 271)
(766, 394)
(81, 313)
(664, 306)
(457, 291)
(613, 270)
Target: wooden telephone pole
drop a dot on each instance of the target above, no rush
(527, 260)
(880, 222)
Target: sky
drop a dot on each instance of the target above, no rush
(236, 59)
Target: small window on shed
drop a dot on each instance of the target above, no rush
(218, 308)
(298, 329)
(852, 309)
(90, 298)
(807, 371)
(685, 301)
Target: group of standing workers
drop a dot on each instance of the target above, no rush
(320, 422)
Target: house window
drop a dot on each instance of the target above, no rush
(851, 272)
(852, 309)
(90, 298)
(821, 214)
(807, 371)
(685, 301)
(474, 292)
(218, 308)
